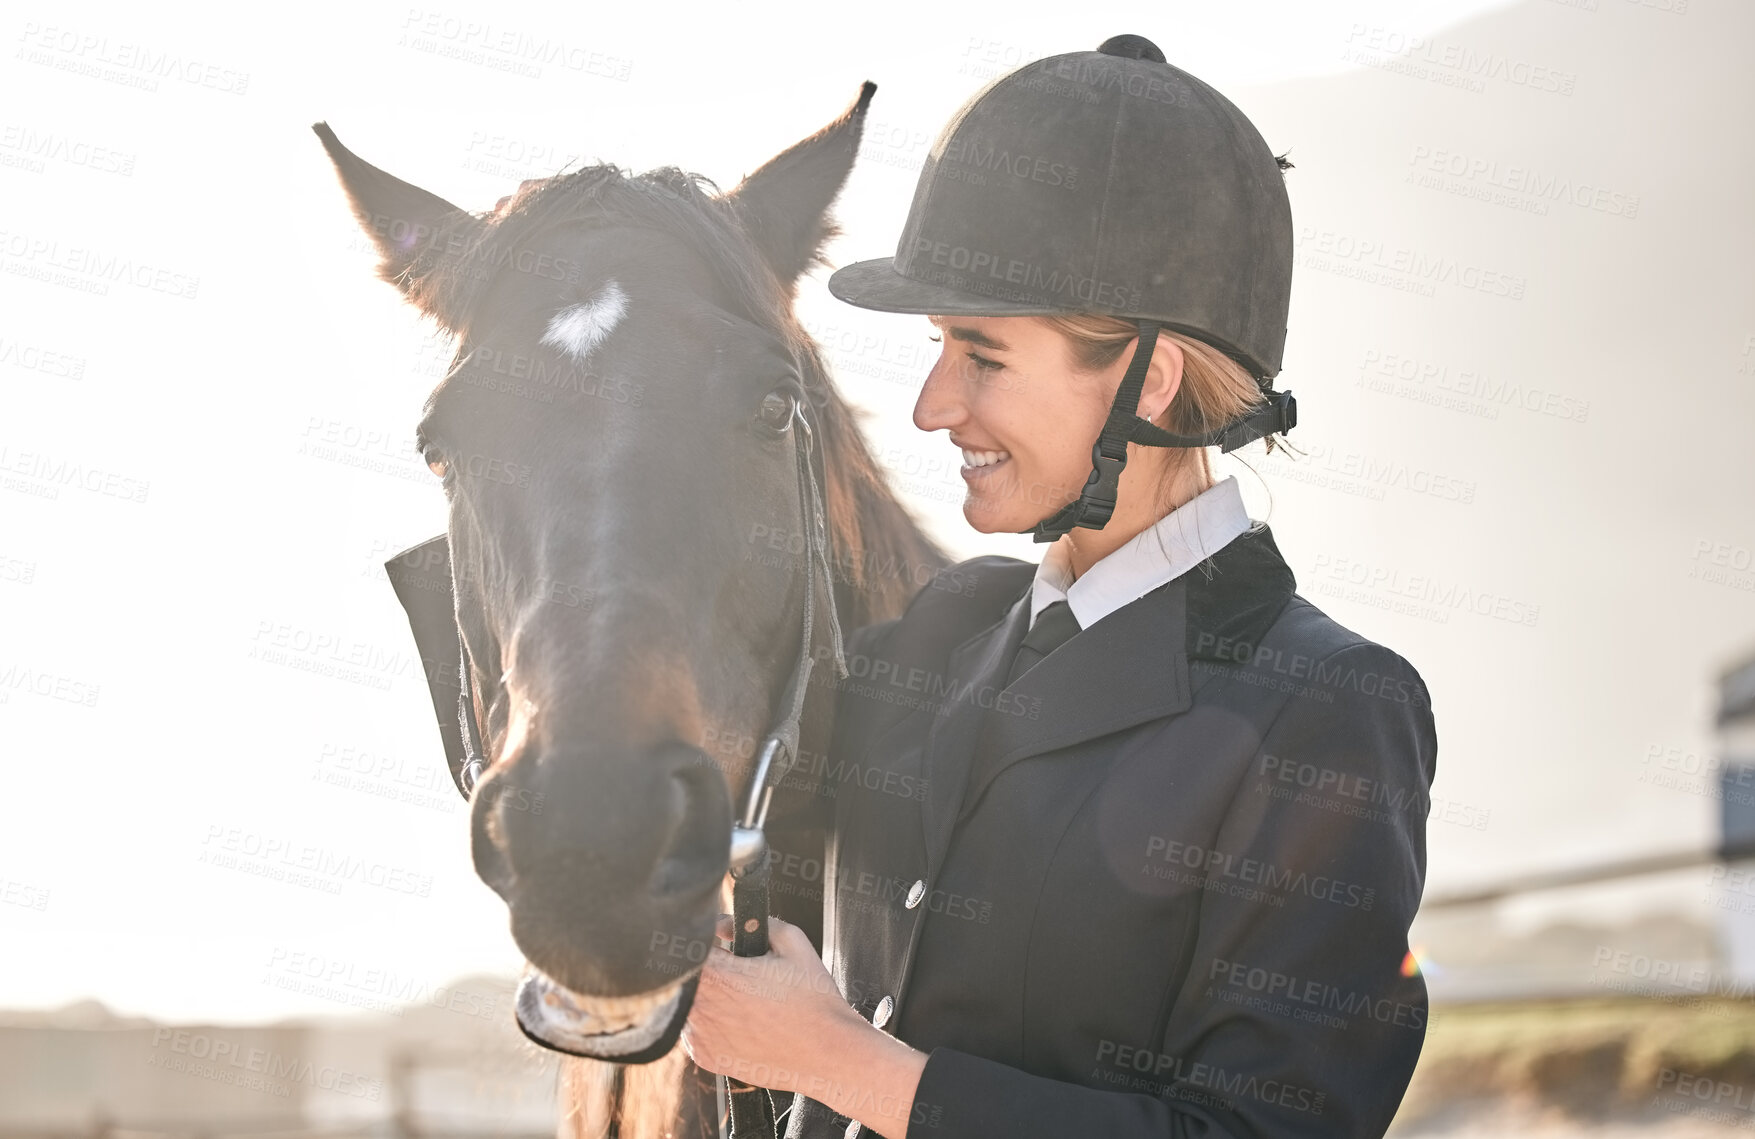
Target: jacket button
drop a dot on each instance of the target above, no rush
(915, 893)
(853, 1130)
(880, 1016)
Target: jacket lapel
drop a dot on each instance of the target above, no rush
(976, 676)
(1127, 669)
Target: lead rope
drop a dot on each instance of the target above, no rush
(745, 1110)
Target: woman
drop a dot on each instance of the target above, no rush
(1126, 844)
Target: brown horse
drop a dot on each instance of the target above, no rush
(616, 439)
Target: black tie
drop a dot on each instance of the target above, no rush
(1054, 625)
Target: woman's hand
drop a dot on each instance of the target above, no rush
(763, 1019)
(779, 1022)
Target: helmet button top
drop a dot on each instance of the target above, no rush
(1131, 47)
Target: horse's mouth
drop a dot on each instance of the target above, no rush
(626, 1030)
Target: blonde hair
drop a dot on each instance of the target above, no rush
(1215, 388)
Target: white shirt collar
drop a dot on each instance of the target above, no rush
(1162, 552)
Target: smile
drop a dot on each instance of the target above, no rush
(982, 463)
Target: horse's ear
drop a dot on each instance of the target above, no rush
(412, 228)
(785, 204)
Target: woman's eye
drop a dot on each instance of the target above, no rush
(984, 363)
(936, 339)
(777, 409)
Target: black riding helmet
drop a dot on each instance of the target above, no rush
(1109, 182)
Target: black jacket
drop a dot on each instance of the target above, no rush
(1173, 897)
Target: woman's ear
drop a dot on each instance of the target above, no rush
(1163, 377)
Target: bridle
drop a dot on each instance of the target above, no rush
(779, 748)
(416, 576)
(467, 757)
(423, 579)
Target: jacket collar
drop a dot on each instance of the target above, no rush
(1129, 668)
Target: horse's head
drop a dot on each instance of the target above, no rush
(620, 420)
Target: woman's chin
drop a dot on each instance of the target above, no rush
(986, 516)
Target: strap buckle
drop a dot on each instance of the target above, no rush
(1102, 488)
(1278, 414)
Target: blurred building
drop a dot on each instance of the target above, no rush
(1736, 750)
(452, 1066)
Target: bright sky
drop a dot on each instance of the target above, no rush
(241, 421)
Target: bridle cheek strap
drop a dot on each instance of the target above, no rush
(422, 578)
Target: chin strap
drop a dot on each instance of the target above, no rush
(1096, 502)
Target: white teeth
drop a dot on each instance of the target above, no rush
(983, 458)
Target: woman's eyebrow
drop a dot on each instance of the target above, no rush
(975, 336)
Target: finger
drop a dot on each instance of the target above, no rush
(788, 938)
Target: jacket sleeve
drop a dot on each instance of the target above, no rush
(1296, 1014)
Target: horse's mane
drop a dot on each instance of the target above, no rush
(881, 556)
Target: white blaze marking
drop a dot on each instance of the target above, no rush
(577, 330)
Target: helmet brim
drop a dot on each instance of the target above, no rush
(876, 285)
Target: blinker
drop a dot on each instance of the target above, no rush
(421, 577)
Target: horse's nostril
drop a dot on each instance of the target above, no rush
(694, 857)
(487, 846)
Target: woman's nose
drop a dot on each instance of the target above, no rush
(941, 403)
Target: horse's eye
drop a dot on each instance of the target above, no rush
(435, 461)
(777, 409)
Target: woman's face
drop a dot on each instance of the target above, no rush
(1024, 416)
